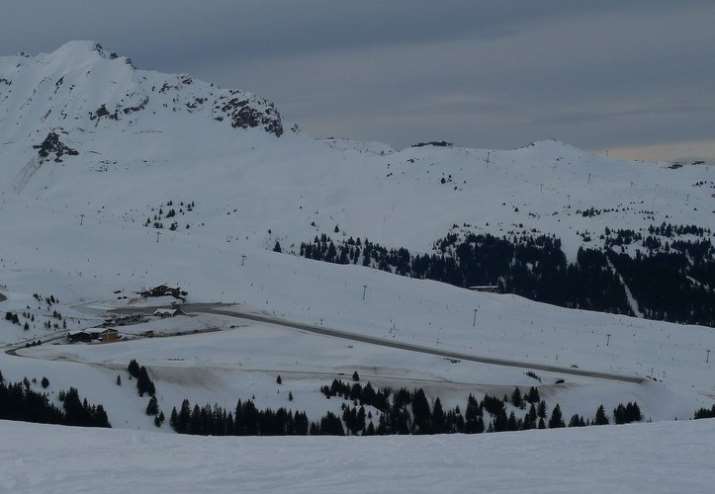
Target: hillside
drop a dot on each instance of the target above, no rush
(89, 138)
(117, 180)
(610, 459)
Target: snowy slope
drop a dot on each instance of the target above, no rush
(151, 155)
(76, 229)
(653, 458)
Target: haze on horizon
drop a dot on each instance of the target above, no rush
(633, 78)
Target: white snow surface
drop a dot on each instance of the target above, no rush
(653, 458)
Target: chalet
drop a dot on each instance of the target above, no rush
(110, 335)
(164, 313)
(87, 335)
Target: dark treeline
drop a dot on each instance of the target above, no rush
(671, 280)
(245, 420)
(19, 402)
(705, 413)
(675, 285)
(627, 414)
(397, 412)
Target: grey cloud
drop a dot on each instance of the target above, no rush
(482, 73)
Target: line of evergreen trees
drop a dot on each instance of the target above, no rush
(19, 402)
(144, 382)
(398, 412)
(627, 414)
(245, 420)
(705, 413)
(671, 280)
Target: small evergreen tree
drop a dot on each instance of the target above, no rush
(144, 383)
(576, 421)
(438, 418)
(556, 421)
(516, 398)
(152, 407)
(541, 411)
(533, 396)
(600, 418)
(133, 368)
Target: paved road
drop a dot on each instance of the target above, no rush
(222, 309)
(12, 348)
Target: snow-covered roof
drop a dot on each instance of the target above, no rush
(165, 312)
(89, 331)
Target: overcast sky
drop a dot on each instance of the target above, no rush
(633, 76)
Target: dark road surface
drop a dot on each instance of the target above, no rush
(223, 310)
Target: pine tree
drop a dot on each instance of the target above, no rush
(277, 247)
(133, 369)
(174, 419)
(576, 421)
(541, 411)
(279, 381)
(600, 418)
(556, 420)
(420, 409)
(633, 413)
(144, 383)
(472, 415)
(532, 413)
(356, 376)
(533, 396)
(619, 414)
(438, 418)
(516, 398)
(45, 382)
(152, 407)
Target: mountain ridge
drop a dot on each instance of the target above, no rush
(79, 87)
(92, 137)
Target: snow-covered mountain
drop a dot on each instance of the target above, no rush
(86, 135)
(79, 86)
(115, 180)
(169, 136)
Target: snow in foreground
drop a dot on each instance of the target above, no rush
(654, 458)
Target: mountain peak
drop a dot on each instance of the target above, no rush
(81, 85)
(80, 47)
(80, 53)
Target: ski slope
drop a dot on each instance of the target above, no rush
(654, 458)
